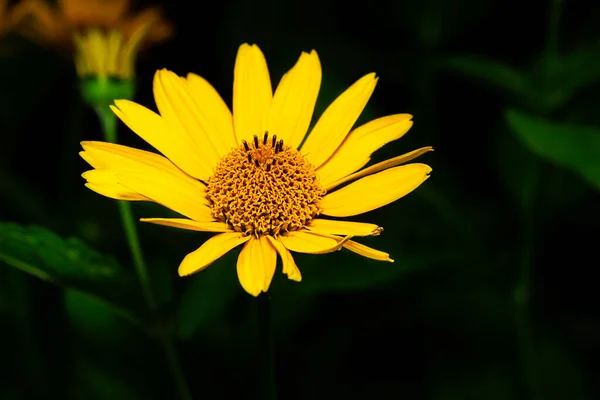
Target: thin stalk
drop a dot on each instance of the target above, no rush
(109, 125)
(266, 345)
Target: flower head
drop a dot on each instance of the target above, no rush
(251, 176)
(104, 38)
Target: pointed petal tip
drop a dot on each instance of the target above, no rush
(254, 293)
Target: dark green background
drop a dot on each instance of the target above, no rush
(492, 292)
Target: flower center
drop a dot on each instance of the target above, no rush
(264, 188)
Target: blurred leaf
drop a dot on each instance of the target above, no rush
(70, 263)
(574, 71)
(495, 74)
(208, 295)
(574, 147)
(93, 382)
(93, 319)
(436, 21)
(513, 159)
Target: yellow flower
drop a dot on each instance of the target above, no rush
(103, 37)
(246, 175)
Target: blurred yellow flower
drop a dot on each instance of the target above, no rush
(104, 38)
(250, 175)
(3, 18)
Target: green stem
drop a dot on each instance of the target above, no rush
(266, 345)
(109, 125)
(175, 367)
(524, 288)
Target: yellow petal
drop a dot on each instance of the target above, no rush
(374, 191)
(256, 265)
(392, 162)
(355, 151)
(210, 104)
(39, 20)
(181, 199)
(105, 183)
(116, 193)
(150, 19)
(252, 93)
(119, 159)
(294, 100)
(210, 250)
(93, 13)
(346, 228)
(177, 105)
(367, 251)
(289, 265)
(311, 243)
(337, 120)
(166, 138)
(182, 223)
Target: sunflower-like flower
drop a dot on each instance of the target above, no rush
(104, 38)
(251, 176)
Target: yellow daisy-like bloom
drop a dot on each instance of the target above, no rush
(104, 38)
(246, 176)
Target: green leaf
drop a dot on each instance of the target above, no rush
(495, 74)
(209, 294)
(575, 71)
(570, 146)
(70, 263)
(514, 172)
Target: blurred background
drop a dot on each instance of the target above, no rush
(490, 297)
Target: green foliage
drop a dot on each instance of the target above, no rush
(69, 263)
(570, 146)
(495, 74)
(515, 163)
(549, 84)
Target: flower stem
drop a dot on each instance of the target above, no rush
(266, 346)
(109, 126)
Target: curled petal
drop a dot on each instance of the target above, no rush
(210, 251)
